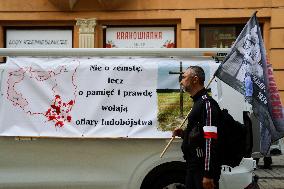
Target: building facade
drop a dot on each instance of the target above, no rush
(141, 24)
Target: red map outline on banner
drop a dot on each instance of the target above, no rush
(59, 112)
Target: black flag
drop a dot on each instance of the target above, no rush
(246, 70)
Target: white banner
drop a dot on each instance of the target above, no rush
(86, 97)
(140, 37)
(92, 97)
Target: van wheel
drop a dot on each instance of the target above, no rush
(175, 180)
(169, 175)
(175, 186)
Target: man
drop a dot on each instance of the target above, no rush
(200, 137)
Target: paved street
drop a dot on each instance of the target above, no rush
(274, 178)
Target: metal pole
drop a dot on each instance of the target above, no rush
(180, 90)
(157, 52)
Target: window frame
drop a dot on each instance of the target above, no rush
(263, 22)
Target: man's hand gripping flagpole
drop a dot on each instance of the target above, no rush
(180, 126)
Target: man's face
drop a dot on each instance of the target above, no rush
(188, 81)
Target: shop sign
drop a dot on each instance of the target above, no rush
(140, 37)
(39, 38)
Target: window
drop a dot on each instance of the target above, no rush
(219, 36)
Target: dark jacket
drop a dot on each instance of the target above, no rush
(200, 137)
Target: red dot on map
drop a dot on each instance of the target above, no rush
(69, 118)
(71, 102)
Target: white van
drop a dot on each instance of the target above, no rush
(109, 163)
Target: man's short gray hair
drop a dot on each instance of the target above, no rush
(199, 72)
